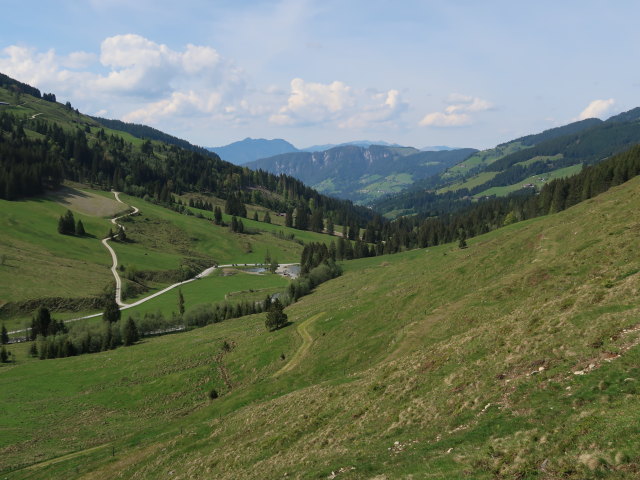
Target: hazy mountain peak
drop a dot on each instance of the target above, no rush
(251, 149)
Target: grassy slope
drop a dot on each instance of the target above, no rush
(484, 157)
(36, 253)
(537, 180)
(162, 239)
(463, 357)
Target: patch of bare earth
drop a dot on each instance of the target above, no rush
(86, 202)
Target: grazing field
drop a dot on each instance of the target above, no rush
(234, 287)
(514, 358)
(40, 262)
(536, 180)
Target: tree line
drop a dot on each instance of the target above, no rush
(31, 164)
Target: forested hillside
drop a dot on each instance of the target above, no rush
(362, 174)
(521, 166)
(43, 143)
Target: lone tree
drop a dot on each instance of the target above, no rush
(276, 318)
(4, 355)
(266, 218)
(111, 312)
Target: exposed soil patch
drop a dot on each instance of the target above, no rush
(85, 202)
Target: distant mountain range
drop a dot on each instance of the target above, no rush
(521, 166)
(250, 149)
(362, 174)
(357, 143)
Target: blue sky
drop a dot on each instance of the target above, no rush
(459, 73)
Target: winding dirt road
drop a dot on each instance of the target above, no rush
(113, 253)
(283, 270)
(307, 340)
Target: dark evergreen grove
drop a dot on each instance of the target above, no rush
(67, 224)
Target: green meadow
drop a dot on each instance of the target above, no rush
(513, 358)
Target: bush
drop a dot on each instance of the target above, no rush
(200, 315)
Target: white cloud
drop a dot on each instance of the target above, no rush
(456, 114)
(597, 108)
(439, 119)
(143, 81)
(139, 80)
(312, 103)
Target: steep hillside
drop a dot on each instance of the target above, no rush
(361, 174)
(251, 149)
(514, 358)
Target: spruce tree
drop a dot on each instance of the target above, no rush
(276, 318)
(180, 302)
(111, 311)
(4, 355)
(130, 332)
(4, 335)
(40, 323)
(80, 229)
(217, 216)
(462, 238)
(266, 218)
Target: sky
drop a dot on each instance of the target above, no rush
(419, 73)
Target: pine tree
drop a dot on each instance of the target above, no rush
(67, 224)
(4, 335)
(40, 323)
(111, 311)
(276, 318)
(330, 226)
(217, 216)
(4, 355)
(80, 229)
(130, 332)
(266, 218)
(273, 266)
(462, 238)
(180, 302)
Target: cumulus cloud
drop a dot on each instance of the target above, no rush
(456, 113)
(140, 79)
(439, 119)
(597, 108)
(312, 103)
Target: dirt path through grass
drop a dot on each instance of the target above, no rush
(105, 241)
(307, 340)
(63, 458)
